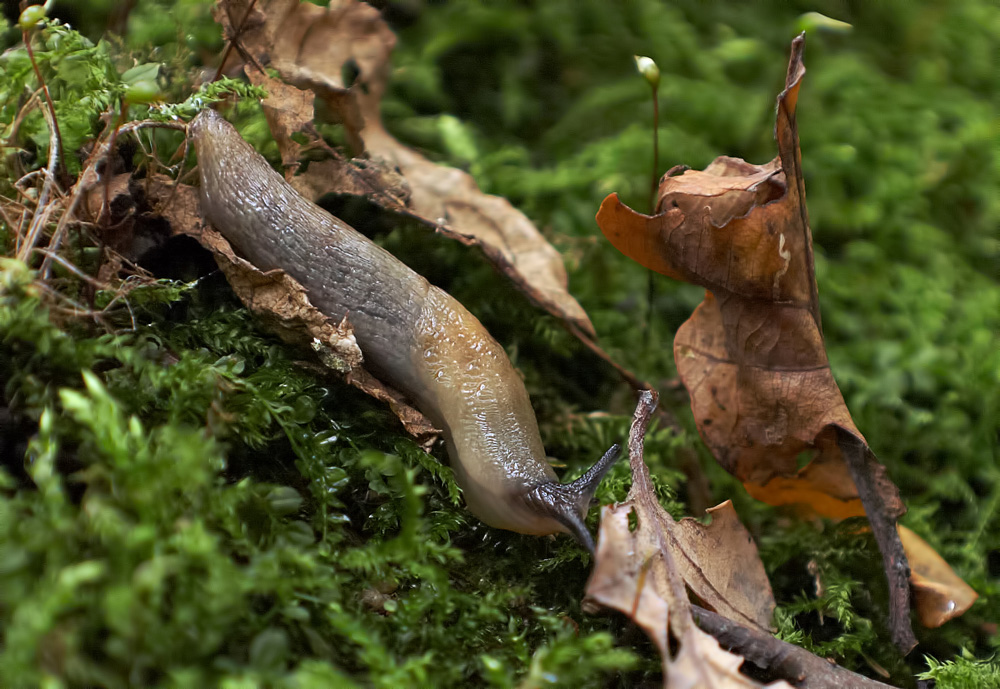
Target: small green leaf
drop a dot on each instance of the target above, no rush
(269, 649)
(145, 91)
(284, 500)
(814, 21)
(148, 71)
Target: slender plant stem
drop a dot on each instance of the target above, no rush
(654, 188)
(26, 37)
(655, 178)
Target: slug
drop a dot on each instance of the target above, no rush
(412, 334)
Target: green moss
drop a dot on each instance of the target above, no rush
(965, 672)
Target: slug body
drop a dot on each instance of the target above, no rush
(412, 334)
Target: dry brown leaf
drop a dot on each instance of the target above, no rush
(642, 570)
(357, 177)
(288, 111)
(938, 593)
(283, 307)
(115, 191)
(701, 663)
(752, 355)
(720, 563)
(310, 46)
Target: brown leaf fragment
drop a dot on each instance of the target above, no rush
(720, 563)
(621, 578)
(313, 47)
(416, 424)
(752, 354)
(282, 306)
(288, 111)
(702, 662)
(309, 46)
(450, 201)
(938, 593)
(638, 572)
(371, 179)
(115, 191)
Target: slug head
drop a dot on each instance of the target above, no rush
(568, 503)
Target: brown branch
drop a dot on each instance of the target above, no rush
(233, 42)
(863, 467)
(779, 659)
(42, 208)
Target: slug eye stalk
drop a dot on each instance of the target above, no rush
(568, 503)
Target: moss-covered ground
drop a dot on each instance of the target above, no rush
(185, 502)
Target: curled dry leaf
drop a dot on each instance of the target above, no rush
(355, 177)
(752, 355)
(308, 45)
(283, 307)
(313, 47)
(642, 571)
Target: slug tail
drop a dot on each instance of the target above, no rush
(568, 503)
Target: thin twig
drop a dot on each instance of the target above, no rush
(642, 493)
(26, 35)
(42, 207)
(24, 183)
(654, 187)
(779, 659)
(233, 41)
(73, 269)
(865, 472)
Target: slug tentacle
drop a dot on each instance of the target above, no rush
(568, 503)
(412, 334)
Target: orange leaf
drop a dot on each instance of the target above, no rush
(939, 594)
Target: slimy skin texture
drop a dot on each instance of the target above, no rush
(412, 334)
